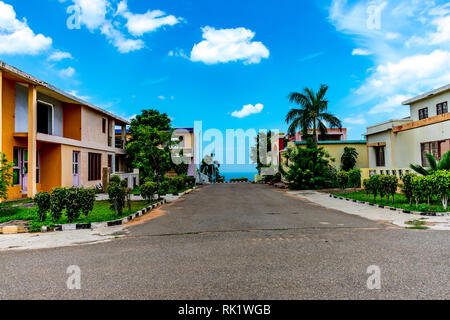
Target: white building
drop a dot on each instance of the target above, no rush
(393, 145)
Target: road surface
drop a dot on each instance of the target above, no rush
(240, 241)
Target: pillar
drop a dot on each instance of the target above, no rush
(1, 111)
(32, 137)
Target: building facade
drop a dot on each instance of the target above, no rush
(53, 138)
(395, 144)
(333, 135)
(186, 143)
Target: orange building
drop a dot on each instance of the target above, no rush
(55, 139)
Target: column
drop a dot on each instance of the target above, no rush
(124, 134)
(32, 136)
(1, 111)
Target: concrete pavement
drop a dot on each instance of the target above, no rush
(240, 242)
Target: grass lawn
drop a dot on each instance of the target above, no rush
(400, 202)
(102, 212)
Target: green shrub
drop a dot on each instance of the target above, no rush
(388, 186)
(416, 188)
(342, 179)
(407, 186)
(354, 178)
(148, 190)
(115, 179)
(73, 207)
(375, 186)
(117, 193)
(86, 197)
(58, 202)
(6, 176)
(42, 200)
(164, 187)
(191, 181)
(178, 183)
(441, 185)
(367, 188)
(349, 159)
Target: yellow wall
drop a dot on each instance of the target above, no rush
(8, 140)
(50, 166)
(337, 150)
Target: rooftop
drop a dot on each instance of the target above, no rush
(51, 90)
(427, 95)
(334, 142)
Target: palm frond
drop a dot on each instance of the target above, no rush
(444, 164)
(294, 114)
(419, 169)
(300, 99)
(332, 120)
(432, 162)
(323, 129)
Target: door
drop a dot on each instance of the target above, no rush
(76, 169)
(22, 155)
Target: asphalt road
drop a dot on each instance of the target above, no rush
(240, 242)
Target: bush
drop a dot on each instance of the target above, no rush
(115, 179)
(342, 179)
(178, 183)
(191, 181)
(58, 202)
(73, 207)
(6, 176)
(407, 186)
(441, 185)
(164, 187)
(42, 200)
(273, 178)
(354, 178)
(86, 197)
(117, 193)
(367, 188)
(148, 190)
(349, 159)
(388, 186)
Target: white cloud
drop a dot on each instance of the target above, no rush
(225, 45)
(101, 15)
(138, 24)
(410, 50)
(248, 110)
(392, 104)
(59, 55)
(16, 37)
(118, 39)
(76, 94)
(361, 52)
(161, 98)
(93, 12)
(356, 120)
(67, 73)
(178, 53)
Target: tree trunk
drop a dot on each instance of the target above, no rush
(315, 139)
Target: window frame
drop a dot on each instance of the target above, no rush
(94, 166)
(441, 107)
(422, 113)
(53, 115)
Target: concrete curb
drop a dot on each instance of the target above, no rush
(416, 213)
(112, 223)
(14, 229)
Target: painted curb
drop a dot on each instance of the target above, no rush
(416, 213)
(14, 229)
(112, 223)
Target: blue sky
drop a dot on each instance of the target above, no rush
(231, 64)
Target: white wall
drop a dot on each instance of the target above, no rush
(377, 138)
(429, 103)
(21, 110)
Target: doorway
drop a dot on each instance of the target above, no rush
(76, 168)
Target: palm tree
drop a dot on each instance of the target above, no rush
(210, 168)
(444, 164)
(312, 113)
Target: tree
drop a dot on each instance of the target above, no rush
(349, 158)
(307, 167)
(149, 146)
(263, 142)
(312, 114)
(5, 176)
(117, 192)
(435, 165)
(210, 168)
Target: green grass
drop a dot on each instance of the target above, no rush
(417, 225)
(400, 202)
(101, 213)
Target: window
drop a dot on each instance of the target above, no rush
(430, 148)
(16, 168)
(110, 165)
(44, 118)
(104, 125)
(38, 168)
(423, 113)
(380, 156)
(441, 108)
(95, 166)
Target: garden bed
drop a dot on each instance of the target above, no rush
(101, 213)
(401, 202)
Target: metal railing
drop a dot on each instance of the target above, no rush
(119, 144)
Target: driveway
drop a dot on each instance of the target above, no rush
(240, 241)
